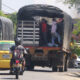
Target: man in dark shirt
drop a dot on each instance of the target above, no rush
(21, 53)
(60, 26)
(43, 33)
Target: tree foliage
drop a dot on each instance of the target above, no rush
(75, 49)
(75, 3)
(2, 14)
(77, 26)
(12, 17)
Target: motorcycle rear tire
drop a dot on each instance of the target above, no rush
(17, 75)
(21, 73)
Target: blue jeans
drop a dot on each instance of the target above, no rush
(54, 35)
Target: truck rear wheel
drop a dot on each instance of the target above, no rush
(54, 68)
(31, 67)
(66, 64)
(65, 69)
(63, 65)
(61, 69)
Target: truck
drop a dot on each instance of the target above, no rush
(6, 29)
(28, 29)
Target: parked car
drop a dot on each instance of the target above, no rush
(5, 55)
(77, 62)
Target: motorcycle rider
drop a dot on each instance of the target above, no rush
(22, 51)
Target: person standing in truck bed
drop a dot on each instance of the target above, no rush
(43, 33)
(60, 24)
(54, 33)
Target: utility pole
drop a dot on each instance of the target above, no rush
(0, 4)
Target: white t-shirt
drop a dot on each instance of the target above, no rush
(54, 27)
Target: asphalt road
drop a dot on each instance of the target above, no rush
(43, 74)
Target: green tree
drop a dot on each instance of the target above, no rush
(77, 26)
(75, 3)
(13, 17)
(2, 14)
(72, 2)
(75, 49)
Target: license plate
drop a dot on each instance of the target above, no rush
(6, 56)
(18, 65)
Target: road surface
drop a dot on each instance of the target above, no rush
(42, 74)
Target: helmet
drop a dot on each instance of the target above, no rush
(17, 41)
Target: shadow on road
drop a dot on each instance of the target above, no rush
(36, 70)
(5, 74)
(42, 71)
(74, 75)
(8, 79)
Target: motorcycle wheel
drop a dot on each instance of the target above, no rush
(21, 72)
(17, 76)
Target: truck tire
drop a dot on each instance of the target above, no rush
(54, 68)
(65, 68)
(61, 69)
(31, 67)
(28, 67)
(66, 64)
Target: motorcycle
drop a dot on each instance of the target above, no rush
(17, 67)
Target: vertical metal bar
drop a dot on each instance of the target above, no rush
(34, 34)
(0, 4)
(22, 32)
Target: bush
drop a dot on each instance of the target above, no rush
(75, 49)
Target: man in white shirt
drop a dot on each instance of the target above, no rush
(54, 33)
